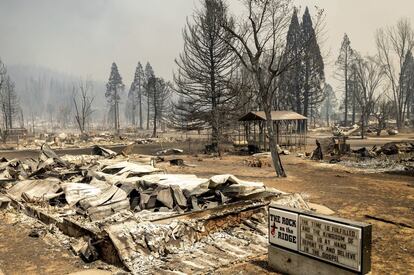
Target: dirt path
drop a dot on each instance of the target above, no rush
(350, 195)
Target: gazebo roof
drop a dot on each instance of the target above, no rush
(276, 116)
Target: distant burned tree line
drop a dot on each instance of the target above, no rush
(151, 93)
(54, 100)
(380, 86)
(46, 98)
(9, 103)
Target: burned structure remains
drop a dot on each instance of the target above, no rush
(129, 213)
(290, 129)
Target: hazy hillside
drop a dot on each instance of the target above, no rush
(44, 92)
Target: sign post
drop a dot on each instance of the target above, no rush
(318, 243)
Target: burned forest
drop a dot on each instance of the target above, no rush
(206, 137)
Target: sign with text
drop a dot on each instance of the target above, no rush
(283, 228)
(333, 242)
(337, 241)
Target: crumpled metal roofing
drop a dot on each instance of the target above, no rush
(276, 116)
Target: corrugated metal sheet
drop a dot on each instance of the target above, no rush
(276, 116)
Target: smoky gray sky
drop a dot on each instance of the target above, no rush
(83, 37)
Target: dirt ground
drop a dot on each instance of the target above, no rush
(45, 254)
(350, 194)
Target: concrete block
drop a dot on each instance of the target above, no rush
(286, 262)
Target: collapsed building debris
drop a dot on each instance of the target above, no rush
(66, 140)
(169, 151)
(388, 149)
(392, 132)
(101, 151)
(393, 148)
(169, 155)
(345, 131)
(365, 153)
(132, 214)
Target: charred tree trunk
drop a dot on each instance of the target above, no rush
(140, 109)
(134, 110)
(327, 117)
(306, 92)
(354, 91)
(277, 163)
(148, 111)
(10, 110)
(346, 90)
(154, 132)
(215, 131)
(116, 112)
(363, 124)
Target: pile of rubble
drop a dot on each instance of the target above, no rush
(75, 140)
(129, 212)
(338, 131)
(397, 151)
(392, 156)
(97, 186)
(393, 148)
(355, 130)
(261, 160)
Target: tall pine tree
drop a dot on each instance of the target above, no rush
(160, 93)
(290, 95)
(113, 89)
(149, 74)
(301, 86)
(135, 96)
(343, 64)
(205, 67)
(313, 68)
(329, 104)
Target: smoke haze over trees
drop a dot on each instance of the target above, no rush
(233, 57)
(44, 93)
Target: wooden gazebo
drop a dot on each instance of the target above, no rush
(289, 127)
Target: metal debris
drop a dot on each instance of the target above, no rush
(169, 151)
(101, 151)
(134, 212)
